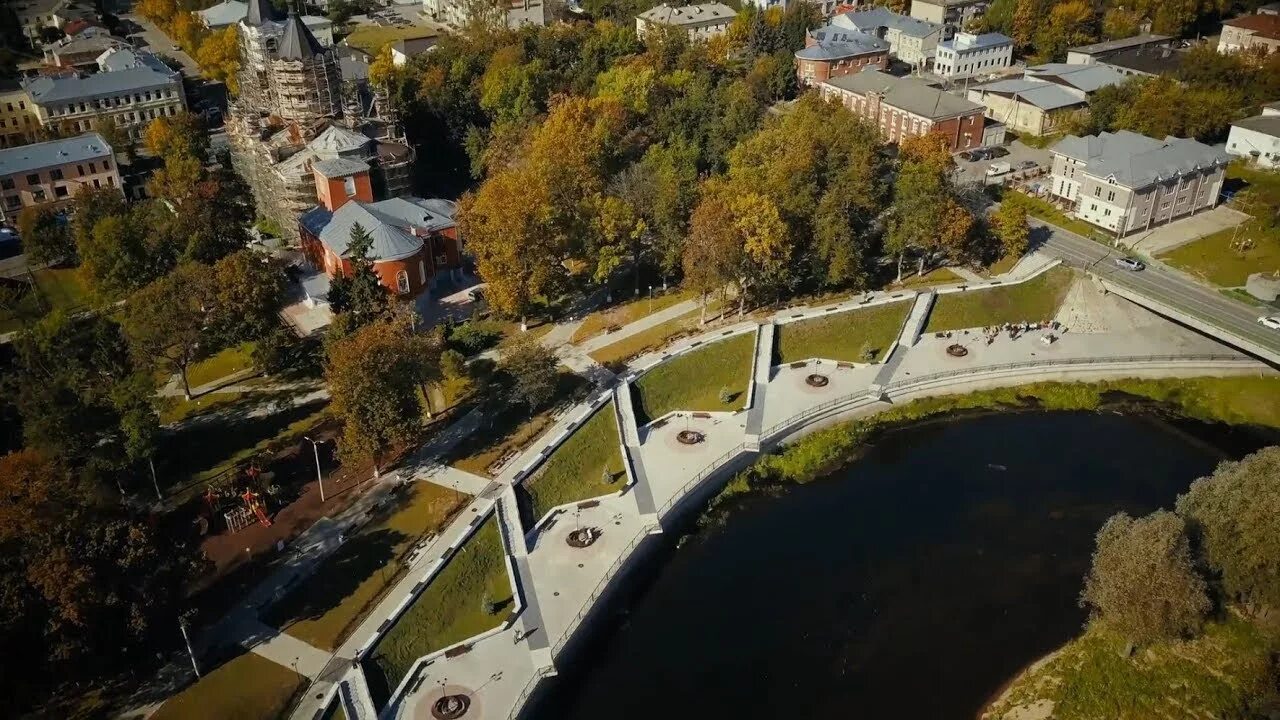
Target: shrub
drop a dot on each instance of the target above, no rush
(473, 337)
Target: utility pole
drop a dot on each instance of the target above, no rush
(182, 625)
(154, 483)
(315, 448)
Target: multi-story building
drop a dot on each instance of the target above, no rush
(414, 240)
(293, 111)
(1147, 62)
(831, 52)
(910, 40)
(954, 15)
(967, 55)
(230, 12)
(906, 107)
(1090, 54)
(52, 172)
(132, 94)
(35, 15)
(701, 22)
(1260, 32)
(82, 50)
(1123, 181)
(1258, 138)
(19, 123)
(457, 13)
(1045, 98)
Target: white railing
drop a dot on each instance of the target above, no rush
(703, 474)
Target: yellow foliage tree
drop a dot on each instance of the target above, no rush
(187, 31)
(219, 57)
(157, 11)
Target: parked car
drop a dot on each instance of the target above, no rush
(998, 168)
(996, 152)
(1270, 321)
(1132, 264)
(968, 155)
(1028, 164)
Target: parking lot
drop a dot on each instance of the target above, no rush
(975, 171)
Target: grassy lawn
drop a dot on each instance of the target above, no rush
(936, 276)
(847, 335)
(248, 687)
(694, 380)
(323, 608)
(371, 38)
(1034, 300)
(575, 471)
(616, 354)
(1003, 265)
(176, 409)
(62, 288)
(1044, 210)
(1213, 259)
(220, 365)
(451, 609)
(624, 313)
(511, 431)
(1217, 675)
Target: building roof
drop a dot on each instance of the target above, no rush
(1039, 93)
(95, 43)
(1087, 78)
(37, 7)
(1120, 44)
(45, 90)
(948, 3)
(337, 141)
(227, 12)
(1265, 124)
(411, 46)
(258, 12)
(1147, 60)
(1265, 25)
(906, 93)
(26, 158)
(340, 167)
(686, 15)
(868, 21)
(965, 42)
(833, 43)
(389, 222)
(117, 59)
(297, 42)
(1136, 160)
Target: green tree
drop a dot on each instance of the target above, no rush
(1010, 224)
(532, 368)
(46, 238)
(1143, 580)
(359, 292)
(88, 206)
(1235, 514)
(167, 321)
(123, 253)
(1069, 24)
(248, 295)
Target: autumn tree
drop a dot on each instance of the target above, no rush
(1118, 22)
(376, 376)
(1010, 225)
(532, 368)
(166, 321)
(926, 218)
(1235, 514)
(746, 232)
(219, 57)
(122, 253)
(181, 135)
(1143, 580)
(1070, 23)
(46, 238)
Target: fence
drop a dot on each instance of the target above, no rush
(702, 475)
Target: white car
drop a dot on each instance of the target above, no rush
(1131, 264)
(1271, 321)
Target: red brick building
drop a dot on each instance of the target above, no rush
(907, 107)
(414, 240)
(831, 52)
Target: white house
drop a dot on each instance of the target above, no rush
(968, 54)
(1258, 138)
(701, 22)
(910, 40)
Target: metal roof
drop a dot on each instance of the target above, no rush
(1266, 124)
(26, 158)
(297, 42)
(1120, 44)
(868, 20)
(390, 223)
(340, 167)
(1136, 161)
(979, 42)
(1088, 78)
(45, 90)
(833, 43)
(688, 14)
(258, 12)
(1039, 93)
(909, 94)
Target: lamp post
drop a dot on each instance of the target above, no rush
(154, 483)
(182, 625)
(315, 447)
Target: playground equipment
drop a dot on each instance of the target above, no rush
(253, 502)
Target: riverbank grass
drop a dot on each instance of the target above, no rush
(1035, 300)
(577, 469)
(1216, 675)
(247, 687)
(322, 609)
(852, 336)
(470, 595)
(695, 380)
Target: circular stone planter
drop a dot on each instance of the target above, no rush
(450, 707)
(957, 350)
(583, 537)
(816, 380)
(690, 437)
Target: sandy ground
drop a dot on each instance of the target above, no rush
(1086, 309)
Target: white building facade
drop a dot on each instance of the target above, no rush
(1257, 139)
(967, 55)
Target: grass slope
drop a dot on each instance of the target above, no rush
(322, 609)
(842, 335)
(511, 431)
(247, 687)
(625, 313)
(1034, 300)
(693, 381)
(221, 364)
(1217, 675)
(1213, 259)
(450, 610)
(575, 471)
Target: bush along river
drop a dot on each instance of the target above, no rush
(912, 582)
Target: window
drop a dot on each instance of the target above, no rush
(12, 201)
(422, 272)
(93, 167)
(402, 282)
(97, 183)
(55, 174)
(1097, 192)
(106, 164)
(60, 191)
(6, 184)
(1111, 196)
(111, 182)
(33, 179)
(37, 195)
(349, 185)
(80, 170)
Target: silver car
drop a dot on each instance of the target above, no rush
(1131, 264)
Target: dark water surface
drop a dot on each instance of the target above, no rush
(911, 584)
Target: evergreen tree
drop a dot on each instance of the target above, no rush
(359, 293)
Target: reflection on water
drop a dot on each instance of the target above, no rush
(910, 584)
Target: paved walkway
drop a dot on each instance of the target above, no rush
(590, 345)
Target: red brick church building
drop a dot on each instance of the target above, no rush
(414, 240)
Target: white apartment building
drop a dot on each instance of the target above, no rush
(910, 40)
(132, 96)
(967, 55)
(701, 22)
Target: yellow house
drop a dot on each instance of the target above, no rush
(18, 120)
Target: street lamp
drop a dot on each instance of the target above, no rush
(315, 447)
(182, 625)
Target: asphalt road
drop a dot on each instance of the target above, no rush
(1170, 288)
(161, 44)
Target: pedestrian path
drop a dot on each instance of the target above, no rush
(285, 650)
(652, 320)
(452, 477)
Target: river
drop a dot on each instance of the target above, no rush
(912, 583)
